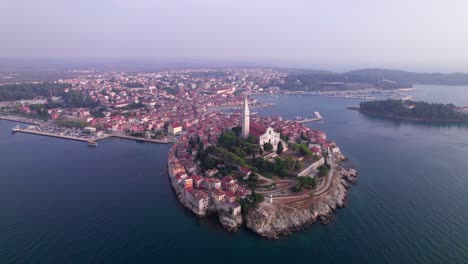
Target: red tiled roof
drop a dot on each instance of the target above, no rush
(218, 192)
(256, 129)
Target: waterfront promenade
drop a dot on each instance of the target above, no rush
(19, 119)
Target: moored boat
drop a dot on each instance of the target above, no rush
(92, 143)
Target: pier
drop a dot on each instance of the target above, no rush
(318, 117)
(41, 133)
(28, 131)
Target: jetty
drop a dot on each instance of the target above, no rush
(94, 139)
(318, 117)
(41, 133)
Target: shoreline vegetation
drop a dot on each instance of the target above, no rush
(414, 111)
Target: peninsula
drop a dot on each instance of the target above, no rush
(416, 111)
(272, 175)
(276, 175)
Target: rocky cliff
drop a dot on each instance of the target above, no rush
(274, 220)
(230, 222)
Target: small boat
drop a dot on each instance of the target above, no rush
(15, 129)
(92, 143)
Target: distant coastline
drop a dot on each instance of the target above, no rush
(414, 111)
(405, 118)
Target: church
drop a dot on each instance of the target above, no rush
(261, 133)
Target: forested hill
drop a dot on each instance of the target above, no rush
(414, 110)
(11, 92)
(366, 78)
(413, 77)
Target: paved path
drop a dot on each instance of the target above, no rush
(319, 192)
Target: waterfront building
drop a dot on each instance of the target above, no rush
(174, 128)
(198, 201)
(218, 195)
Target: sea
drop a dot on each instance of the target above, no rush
(64, 202)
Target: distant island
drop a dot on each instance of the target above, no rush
(411, 110)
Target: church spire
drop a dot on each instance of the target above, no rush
(246, 119)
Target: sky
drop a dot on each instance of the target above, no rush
(418, 35)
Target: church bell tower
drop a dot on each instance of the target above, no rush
(246, 119)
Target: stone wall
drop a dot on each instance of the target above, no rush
(312, 167)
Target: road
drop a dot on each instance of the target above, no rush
(329, 179)
(317, 193)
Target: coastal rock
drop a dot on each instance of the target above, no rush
(349, 175)
(230, 222)
(272, 221)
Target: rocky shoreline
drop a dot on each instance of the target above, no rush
(274, 221)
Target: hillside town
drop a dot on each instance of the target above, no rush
(273, 161)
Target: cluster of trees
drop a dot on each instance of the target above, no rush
(251, 201)
(13, 92)
(233, 143)
(134, 85)
(40, 110)
(72, 123)
(77, 99)
(323, 170)
(133, 106)
(304, 182)
(173, 91)
(99, 112)
(411, 109)
(302, 149)
(208, 162)
(281, 167)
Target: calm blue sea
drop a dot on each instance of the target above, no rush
(63, 202)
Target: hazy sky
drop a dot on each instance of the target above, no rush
(407, 34)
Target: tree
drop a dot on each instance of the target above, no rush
(307, 182)
(323, 171)
(280, 148)
(252, 140)
(299, 165)
(289, 163)
(268, 146)
(302, 149)
(237, 130)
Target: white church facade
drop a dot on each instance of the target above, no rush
(261, 133)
